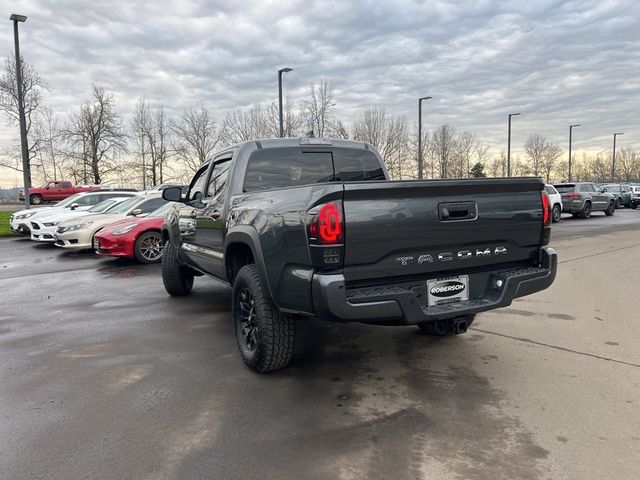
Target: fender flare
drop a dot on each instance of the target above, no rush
(248, 236)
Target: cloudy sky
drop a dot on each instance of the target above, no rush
(556, 62)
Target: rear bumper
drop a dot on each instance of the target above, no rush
(398, 304)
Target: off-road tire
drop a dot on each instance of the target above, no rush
(35, 199)
(634, 205)
(177, 278)
(556, 213)
(443, 328)
(137, 248)
(586, 210)
(611, 209)
(271, 347)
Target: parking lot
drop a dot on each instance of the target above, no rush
(105, 376)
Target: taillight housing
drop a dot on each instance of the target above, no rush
(573, 195)
(545, 237)
(325, 232)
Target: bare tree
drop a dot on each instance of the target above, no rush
(97, 132)
(291, 118)
(141, 125)
(388, 135)
(317, 111)
(552, 152)
(195, 138)
(240, 126)
(466, 143)
(443, 147)
(535, 147)
(628, 164)
(498, 166)
(32, 88)
(50, 158)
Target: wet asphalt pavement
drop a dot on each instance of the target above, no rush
(104, 376)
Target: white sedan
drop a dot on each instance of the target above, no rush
(43, 229)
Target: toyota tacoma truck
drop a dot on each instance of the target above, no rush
(315, 228)
(54, 191)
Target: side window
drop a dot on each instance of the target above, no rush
(151, 205)
(218, 180)
(198, 183)
(549, 190)
(88, 200)
(587, 187)
(353, 165)
(65, 184)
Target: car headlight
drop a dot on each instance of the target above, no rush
(126, 229)
(51, 224)
(25, 215)
(77, 226)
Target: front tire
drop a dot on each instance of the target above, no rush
(265, 336)
(611, 209)
(35, 199)
(556, 213)
(148, 247)
(446, 328)
(177, 278)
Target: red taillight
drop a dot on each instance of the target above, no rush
(546, 209)
(326, 227)
(573, 195)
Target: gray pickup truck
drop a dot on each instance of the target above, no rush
(314, 228)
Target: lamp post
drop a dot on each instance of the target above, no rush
(570, 138)
(509, 145)
(613, 160)
(420, 162)
(280, 72)
(26, 170)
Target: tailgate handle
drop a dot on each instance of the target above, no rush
(452, 212)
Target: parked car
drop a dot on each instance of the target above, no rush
(77, 234)
(621, 192)
(43, 229)
(315, 228)
(20, 221)
(635, 196)
(138, 238)
(556, 203)
(581, 198)
(53, 191)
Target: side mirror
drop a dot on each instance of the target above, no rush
(172, 194)
(73, 206)
(136, 212)
(604, 190)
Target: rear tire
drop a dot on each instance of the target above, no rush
(444, 328)
(556, 213)
(611, 209)
(35, 199)
(265, 336)
(634, 205)
(586, 210)
(177, 278)
(148, 247)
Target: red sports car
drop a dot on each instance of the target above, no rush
(135, 237)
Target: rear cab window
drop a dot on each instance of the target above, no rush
(565, 188)
(289, 167)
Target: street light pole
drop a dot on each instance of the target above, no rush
(26, 169)
(509, 145)
(280, 72)
(613, 161)
(570, 133)
(420, 162)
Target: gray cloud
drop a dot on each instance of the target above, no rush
(556, 62)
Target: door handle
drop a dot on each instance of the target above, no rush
(215, 215)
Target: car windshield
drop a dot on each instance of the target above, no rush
(162, 211)
(126, 205)
(68, 201)
(103, 206)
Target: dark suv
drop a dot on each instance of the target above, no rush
(581, 198)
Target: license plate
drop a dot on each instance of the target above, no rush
(448, 290)
(96, 244)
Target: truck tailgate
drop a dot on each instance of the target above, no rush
(431, 228)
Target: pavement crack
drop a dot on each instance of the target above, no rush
(556, 347)
(611, 250)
